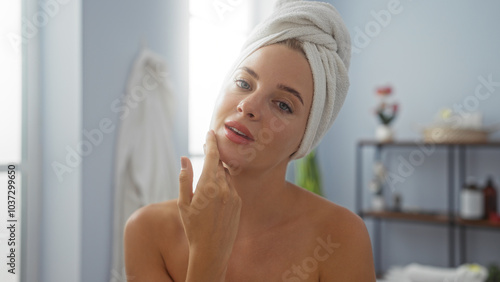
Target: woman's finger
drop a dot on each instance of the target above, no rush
(228, 178)
(185, 182)
(211, 155)
(221, 172)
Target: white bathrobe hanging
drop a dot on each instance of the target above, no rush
(146, 165)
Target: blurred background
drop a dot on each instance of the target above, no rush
(66, 67)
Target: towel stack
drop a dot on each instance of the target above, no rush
(422, 273)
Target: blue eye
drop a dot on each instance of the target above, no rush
(242, 84)
(284, 107)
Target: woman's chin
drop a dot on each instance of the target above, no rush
(230, 157)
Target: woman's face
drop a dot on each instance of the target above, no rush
(261, 114)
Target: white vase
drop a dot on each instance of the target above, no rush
(378, 203)
(384, 133)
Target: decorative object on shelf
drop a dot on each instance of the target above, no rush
(471, 202)
(490, 199)
(307, 173)
(384, 133)
(436, 134)
(397, 202)
(378, 203)
(376, 186)
(386, 113)
(451, 127)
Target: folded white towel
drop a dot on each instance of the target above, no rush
(422, 273)
(327, 45)
(464, 273)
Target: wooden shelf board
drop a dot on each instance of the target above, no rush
(429, 217)
(404, 143)
(479, 223)
(437, 218)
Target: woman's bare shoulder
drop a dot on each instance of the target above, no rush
(146, 232)
(326, 211)
(354, 253)
(332, 218)
(157, 219)
(344, 235)
(155, 211)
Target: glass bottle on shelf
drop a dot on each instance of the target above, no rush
(490, 198)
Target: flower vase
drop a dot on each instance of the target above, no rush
(378, 203)
(384, 133)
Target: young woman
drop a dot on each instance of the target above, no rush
(245, 222)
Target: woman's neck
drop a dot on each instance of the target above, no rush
(265, 196)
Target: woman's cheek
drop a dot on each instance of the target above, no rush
(278, 123)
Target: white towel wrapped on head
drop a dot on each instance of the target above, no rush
(327, 45)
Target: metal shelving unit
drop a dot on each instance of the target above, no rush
(454, 152)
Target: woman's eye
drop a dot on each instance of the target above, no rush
(284, 107)
(242, 84)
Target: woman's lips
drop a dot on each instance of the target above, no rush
(238, 133)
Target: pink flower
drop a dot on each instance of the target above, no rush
(384, 91)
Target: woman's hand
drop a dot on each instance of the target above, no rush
(210, 216)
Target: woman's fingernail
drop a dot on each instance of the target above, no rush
(184, 163)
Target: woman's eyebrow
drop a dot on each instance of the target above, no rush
(292, 91)
(251, 72)
(279, 86)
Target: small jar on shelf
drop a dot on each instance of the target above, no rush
(471, 202)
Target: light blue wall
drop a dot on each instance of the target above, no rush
(432, 52)
(113, 32)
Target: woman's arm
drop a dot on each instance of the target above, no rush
(143, 260)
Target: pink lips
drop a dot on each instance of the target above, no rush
(238, 133)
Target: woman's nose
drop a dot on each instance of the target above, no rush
(251, 107)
